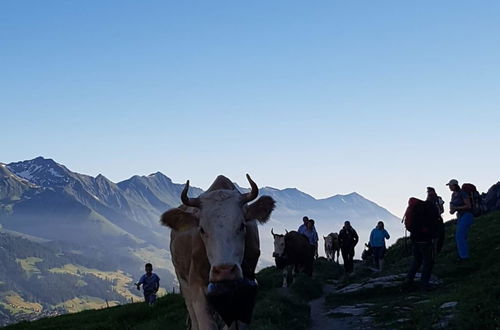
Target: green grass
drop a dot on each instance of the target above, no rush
(169, 312)
(474, 284)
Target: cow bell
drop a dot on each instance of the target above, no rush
(233, 300)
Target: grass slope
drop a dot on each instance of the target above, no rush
(169, 313)
(276, 308)
(473, 284)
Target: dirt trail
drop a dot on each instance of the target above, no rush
(319, 318)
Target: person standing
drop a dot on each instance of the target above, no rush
(461, 204)
(312, 237)
(303, 226)
(150, 284)
(377, 242)
(439, 203)
(348, 238)
(422, 221)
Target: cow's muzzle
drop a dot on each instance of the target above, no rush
(224, 273)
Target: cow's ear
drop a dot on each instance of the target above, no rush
(178, 219)
(261, 209)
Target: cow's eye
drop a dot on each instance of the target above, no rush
(202, 231)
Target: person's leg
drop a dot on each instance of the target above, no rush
(381, 258)
(351, 260)
(376, 256)
(428, 261)
(463, 226)
(417, 261)
(345, 258)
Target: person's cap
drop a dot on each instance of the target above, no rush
(452, 182)
(347, 223)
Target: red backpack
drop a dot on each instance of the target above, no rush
(421, 217)
(409, 214)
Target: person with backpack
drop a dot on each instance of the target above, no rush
(439, 203)
(422, 221)
(348, 238)
(461, 203)
(377, 242)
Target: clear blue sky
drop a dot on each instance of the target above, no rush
(379, 97)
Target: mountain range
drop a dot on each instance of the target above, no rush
(116, 224)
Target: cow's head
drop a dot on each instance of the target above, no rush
(328, 241)
(220, 215)
(279, 245)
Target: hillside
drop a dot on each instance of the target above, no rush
(466, 298)
(116, 224)
(46, 279)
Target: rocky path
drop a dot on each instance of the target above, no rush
(319, 314)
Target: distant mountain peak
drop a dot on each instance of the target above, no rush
(40, 171)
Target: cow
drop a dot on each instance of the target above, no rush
(292, 254)
(214, 244)
(332, 246)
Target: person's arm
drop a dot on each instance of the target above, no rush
(356, 237)
(466, 207)
(157, 283)
(371, 237)
(386, 234)
(141, 281)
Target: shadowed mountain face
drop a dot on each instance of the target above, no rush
(46, 200)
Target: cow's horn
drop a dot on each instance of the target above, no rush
(286, 231)
(272, 233)
(194, 202)
(250, 196)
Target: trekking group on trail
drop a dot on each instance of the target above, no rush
(424, 222)
(422, 219)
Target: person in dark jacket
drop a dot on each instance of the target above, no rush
(438, 202)
(424, 229)
(348, 238)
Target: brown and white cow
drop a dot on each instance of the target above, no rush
(332, 246)
(292, 254)
(215, 239)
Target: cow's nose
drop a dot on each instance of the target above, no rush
(225, 273)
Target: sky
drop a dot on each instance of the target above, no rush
(383, 98)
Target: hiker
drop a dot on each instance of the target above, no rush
(303, 226)
(377, 242)
(439, 203)
(312, 237)
(348, 238)
(422, 221)
(150, 284)
(460, 203)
